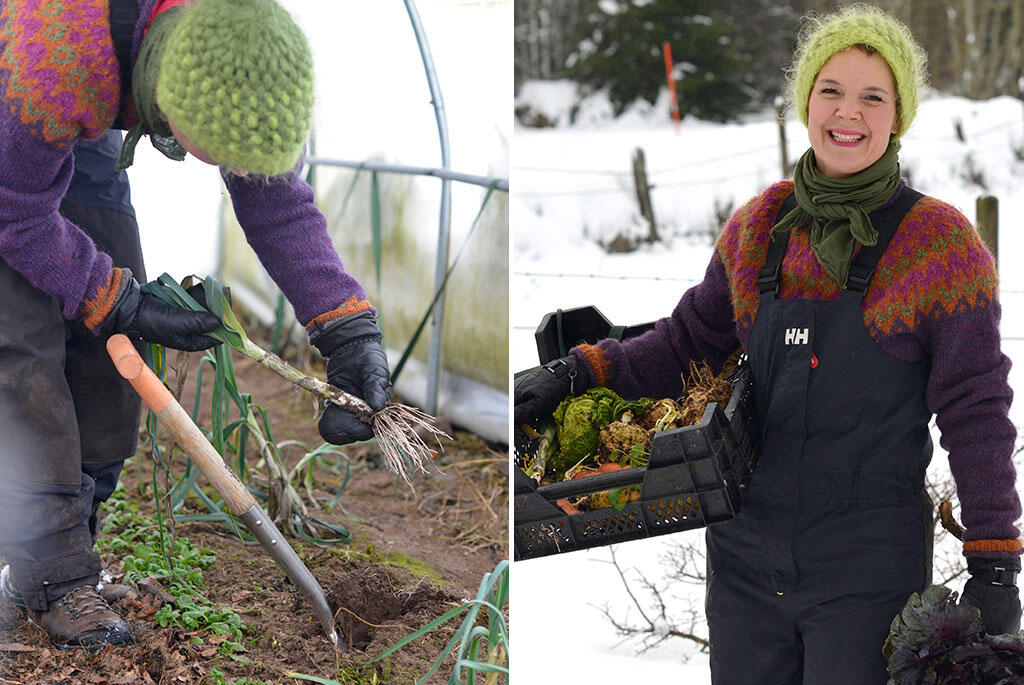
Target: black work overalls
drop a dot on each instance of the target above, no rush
(803, 585)
(58, 385)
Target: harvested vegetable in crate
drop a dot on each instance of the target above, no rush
(600, 432)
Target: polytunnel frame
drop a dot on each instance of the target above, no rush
(447, 175)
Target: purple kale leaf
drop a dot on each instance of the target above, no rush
(928, 626)
(935, 640)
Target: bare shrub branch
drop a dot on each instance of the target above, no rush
(657, 624)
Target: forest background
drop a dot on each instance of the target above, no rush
(728, 53)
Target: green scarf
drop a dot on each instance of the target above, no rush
(839, 208)
(144, 76)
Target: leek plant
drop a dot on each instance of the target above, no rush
(281, 499)
(395, 426)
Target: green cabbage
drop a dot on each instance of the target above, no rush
(579, 421)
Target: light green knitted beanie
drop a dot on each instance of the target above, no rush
(236, 78)
(860, 24)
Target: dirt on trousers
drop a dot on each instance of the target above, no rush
(413, 555)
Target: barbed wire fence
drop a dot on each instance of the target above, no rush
(957, 135)
(625, 175)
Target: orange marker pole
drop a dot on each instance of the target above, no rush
(239, 500)
(667, 50)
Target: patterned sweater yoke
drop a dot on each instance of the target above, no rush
(935, 267)
(58, 70)
(933, 299)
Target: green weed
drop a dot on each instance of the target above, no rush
(215, 677)
(177, 563)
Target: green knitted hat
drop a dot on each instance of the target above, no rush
(236, 78)
(860, 24)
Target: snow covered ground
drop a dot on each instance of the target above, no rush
(573, 188)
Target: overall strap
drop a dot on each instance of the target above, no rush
(886, 223)
(768, 274)
(123, 16)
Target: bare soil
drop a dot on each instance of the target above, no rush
(413, 555)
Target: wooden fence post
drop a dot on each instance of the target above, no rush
(780, 113)
(643, 192)
(988, 224)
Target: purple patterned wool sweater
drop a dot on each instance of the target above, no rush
(60, 82)
(933, 297)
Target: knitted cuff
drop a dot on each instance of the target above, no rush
(993, 548)
(352, 305)
(598, 367)
(94, 311)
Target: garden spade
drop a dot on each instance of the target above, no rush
(239, 500)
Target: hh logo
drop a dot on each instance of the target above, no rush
(796, 336)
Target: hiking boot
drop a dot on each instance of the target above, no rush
(112, 592)
(109, 590)
(82, 618)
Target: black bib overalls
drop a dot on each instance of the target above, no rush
(803, 586)
(58, 384)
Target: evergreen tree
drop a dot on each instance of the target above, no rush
(624, 54)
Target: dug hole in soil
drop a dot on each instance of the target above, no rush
(413, 555)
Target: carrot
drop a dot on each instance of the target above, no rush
(607, 467)
(565, 506)
(603, 468)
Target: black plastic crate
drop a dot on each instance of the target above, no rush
(694, 476)
(566, 328)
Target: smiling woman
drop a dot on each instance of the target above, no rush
(851, 112)
(896, 299)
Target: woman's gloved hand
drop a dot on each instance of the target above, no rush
(356, 363)
(992, 589)
(141, 316)
(538, 393)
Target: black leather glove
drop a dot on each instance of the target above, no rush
(538, 393)
(992, 589)
(356, 363)
(141, 316)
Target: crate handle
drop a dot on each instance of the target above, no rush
(558, 330)
(594, 483)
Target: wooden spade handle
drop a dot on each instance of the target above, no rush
(158, 398)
